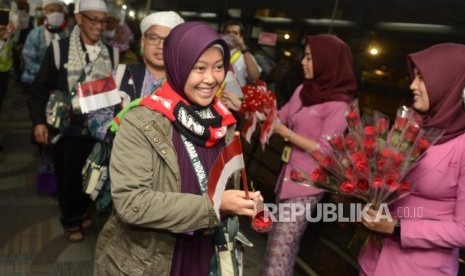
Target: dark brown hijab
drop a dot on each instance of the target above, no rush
(442, 67)
(333, 76)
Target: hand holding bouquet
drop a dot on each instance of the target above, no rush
(370, 162)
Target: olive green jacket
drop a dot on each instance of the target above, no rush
(138, 238)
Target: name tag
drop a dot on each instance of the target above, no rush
(286, 154)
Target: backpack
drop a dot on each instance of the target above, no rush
(95, 174)
(59, 105)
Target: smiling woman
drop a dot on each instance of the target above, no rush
(206, 77)
(161, 152)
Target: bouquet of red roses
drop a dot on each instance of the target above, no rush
(370, 162)
(259, 108)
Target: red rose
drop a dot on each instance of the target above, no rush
(370, 131)
(381, 165)
(350, 143)
(420, 147)
(347, 187)
(412, 132)
(398, 158)
(337, 143)
(386, 153)
(362, 184)
(382, 125)
(260, 223)
(393, 175)
(360, 162)
(404, 187)
(400, 123)
(369, 146)
(317, 155)
(297, 176)
(392, 185)
(319, 176)
(349, 174)
(377, 182)
(353, 119)
(358, 157)
(327, 162)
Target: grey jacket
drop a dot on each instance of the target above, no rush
(138, 237)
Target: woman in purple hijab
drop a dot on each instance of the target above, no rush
(163, 222)
(428, 226)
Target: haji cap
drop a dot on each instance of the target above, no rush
(93, 5)
(49, 2)
(168, 19)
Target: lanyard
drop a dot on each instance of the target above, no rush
(199, 170)
(219, 233)
(235, 56)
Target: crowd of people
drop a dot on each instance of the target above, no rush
(172, 126)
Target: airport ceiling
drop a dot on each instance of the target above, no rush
(450, 12)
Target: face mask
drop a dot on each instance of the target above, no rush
(55, 19)
(109, 34)
(23, 20)
(39, 14)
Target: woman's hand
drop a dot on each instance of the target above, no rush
(234, 202)
(281, 130)
(231, 101)
(382, 225)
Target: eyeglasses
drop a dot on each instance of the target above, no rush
(95, 21)
(154, 39)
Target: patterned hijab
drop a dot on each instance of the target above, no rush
(442, 67)
(333, 76)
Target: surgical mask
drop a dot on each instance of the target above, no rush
(23, 20)
(55, 19)
(39, 14)
(109, 34)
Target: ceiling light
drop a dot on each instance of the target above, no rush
(414, 27)
(274, 19)
(327, 22)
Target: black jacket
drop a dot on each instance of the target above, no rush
(50, 78)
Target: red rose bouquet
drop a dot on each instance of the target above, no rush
(259, 108)
(370, 162)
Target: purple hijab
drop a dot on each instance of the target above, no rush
(181, 50)
(183, 47)
(442, 67)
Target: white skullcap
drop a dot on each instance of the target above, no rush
(93, 5)
(168, 19)
(49, 2)
(114, 11)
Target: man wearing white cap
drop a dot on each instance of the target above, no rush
(114, 18)
(39, 38)
(140, 80)
(154, 29)
(80, 57)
